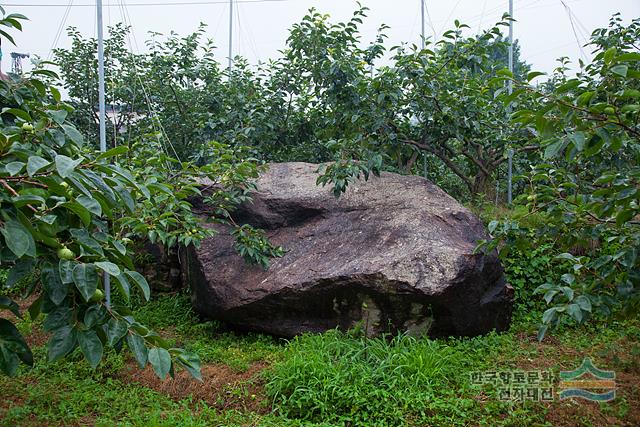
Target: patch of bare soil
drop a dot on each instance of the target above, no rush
(221, 386)
(37, 336)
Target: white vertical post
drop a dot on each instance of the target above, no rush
(510, 90)
(422, 15)
(102, 118)
(230, 36)
(424, 154)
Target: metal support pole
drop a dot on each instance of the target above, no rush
(102, 118)
(230, 36)
(510, 177)
(510, 90)
(422, 15)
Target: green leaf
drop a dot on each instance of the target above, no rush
(13, 348)
(55, 289)
(62, 342)
(161, 361)
(578, 139)
(191, 362)
(80, 211)
(14, 168)
(609, 54)
(549, 315)
(575, 311)
(584, 98)
(141, 282)
(73, 134)
(85, 277)
(7, 303)
(121, 149)
(35, 163)
(554, 148)
(93, 316)
(533, 74)
(36, 308)
(629, 56)
(55, 93)
(22, 268)
(91, 347)
(109, 267)
(20, 113)
(65, 270)
(18, 239)
(58, 116)
(548, 296)
(566, 87)
(584, 303)
(140, 352)
(66, 165)
(116, 329)
(567, 256)
(123, 286)
(620, 70)
(90, 204)
(542, 331)
(624, 216)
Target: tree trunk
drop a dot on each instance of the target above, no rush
(480, 183)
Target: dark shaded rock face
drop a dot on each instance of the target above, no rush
(392, 254)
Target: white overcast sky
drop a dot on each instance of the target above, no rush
(543, 27)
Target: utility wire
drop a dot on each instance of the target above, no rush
(56, 39)
(449, 17)
(484, 8)
(249, 35)
(433, 28)
(171, 3)
(573, 28)
(155, 121)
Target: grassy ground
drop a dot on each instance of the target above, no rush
(330, 379)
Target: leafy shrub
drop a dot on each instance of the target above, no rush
(526, 270)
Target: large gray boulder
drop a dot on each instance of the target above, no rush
(395, 253)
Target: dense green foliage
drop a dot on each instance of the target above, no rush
(585, 196)
(69, 215)
(324, 99)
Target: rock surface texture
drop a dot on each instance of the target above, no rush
(394, 253)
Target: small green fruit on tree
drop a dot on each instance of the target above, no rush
(66, 253)
(98, 296)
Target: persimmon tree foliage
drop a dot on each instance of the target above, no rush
(439, 101)
(68, 216)
(328, 97)
(584, 198)
(57, 201)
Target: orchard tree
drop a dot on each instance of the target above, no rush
(78, 66)
(586, 197)
(440, 101)
(69, 214)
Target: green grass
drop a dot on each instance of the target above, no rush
(173, 316)
(320, 380)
